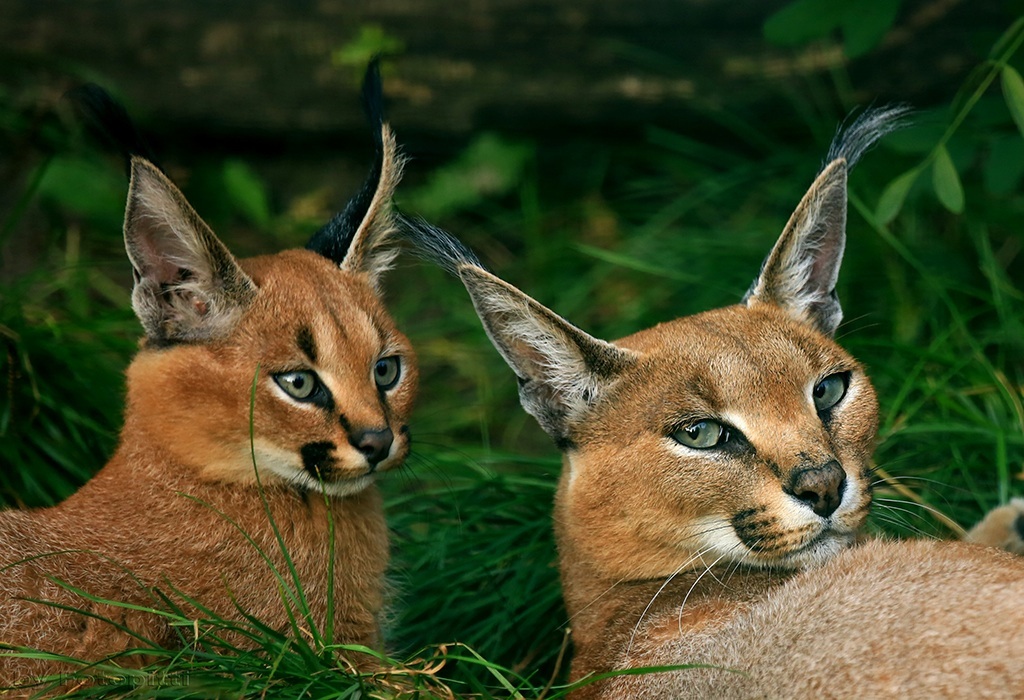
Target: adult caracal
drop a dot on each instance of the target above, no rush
(717, 469)
(300, 344)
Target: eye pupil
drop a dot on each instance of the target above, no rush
(830, 391)
(299, 385)
(702, 434)
(386, 372)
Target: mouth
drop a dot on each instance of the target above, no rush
(824, 546)
(318, 461)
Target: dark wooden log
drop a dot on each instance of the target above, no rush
(247, 68)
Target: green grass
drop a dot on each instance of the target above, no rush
(615, 238)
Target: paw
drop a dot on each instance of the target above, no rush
(1002, 527)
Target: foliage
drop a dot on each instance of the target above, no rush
(615, 238)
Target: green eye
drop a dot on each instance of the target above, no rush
(702, 435)
(298, 385)
(387, 371)
(830, 391)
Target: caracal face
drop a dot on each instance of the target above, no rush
(317, 364)
(741, 435)
(737, 435)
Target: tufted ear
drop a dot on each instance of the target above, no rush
(800, 273)
(188, 287)
(358, 238)
(562, 370)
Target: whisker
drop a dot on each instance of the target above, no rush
(657, 593)
(936, 513)
(694, 585)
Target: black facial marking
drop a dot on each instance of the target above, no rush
(565, 443)
(344, 423)
(317, 459)
(304, 339)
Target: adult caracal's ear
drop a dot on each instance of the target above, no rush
(800, 273)
(188, 287)
(356, 238)
(562, 370)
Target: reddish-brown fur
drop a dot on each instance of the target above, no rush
(716, 473)
(187, 506)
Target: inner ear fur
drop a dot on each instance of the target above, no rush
(360, 237)
(800, 273)
(562, 370)
(188, 287)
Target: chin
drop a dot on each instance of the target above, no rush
(345, 487)
(818, 552)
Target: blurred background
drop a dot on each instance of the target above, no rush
(622, 162)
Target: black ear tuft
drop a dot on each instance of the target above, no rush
(335, 238)
(107, 121)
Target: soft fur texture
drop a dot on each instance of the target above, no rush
(172, 513)
(717, 471)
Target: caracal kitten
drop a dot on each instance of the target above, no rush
(300, 344)
(717, 470)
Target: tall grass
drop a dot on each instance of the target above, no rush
(616, 237)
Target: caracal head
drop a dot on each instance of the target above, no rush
(288, 362)
(741, 435)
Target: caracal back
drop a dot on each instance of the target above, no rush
(267, 392)
(716, 474)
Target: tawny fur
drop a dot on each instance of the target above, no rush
(172, 513)
(744, 554)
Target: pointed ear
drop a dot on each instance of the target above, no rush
(562, 371)
(358, 238)
(188, 287)
(800, 273)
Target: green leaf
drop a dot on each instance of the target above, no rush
(891, 201)
(802, 21)
(491, 166)
(1013, 93)
(246, 192)
(371, 41)
(865, 23)
(946, 182)
(85, 188)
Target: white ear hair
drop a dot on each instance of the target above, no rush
(800, 273)
(359, 238)
(562, 371)
(188, 287)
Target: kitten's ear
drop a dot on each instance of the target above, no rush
(358, 238)
(188, 287)
(562, 371)
(800, 273)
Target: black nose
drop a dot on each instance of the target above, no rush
(821, 488)
(374, 444)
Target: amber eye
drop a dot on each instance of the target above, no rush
(299, 385)
(702, 435)
(830, 391)
(387, 371)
